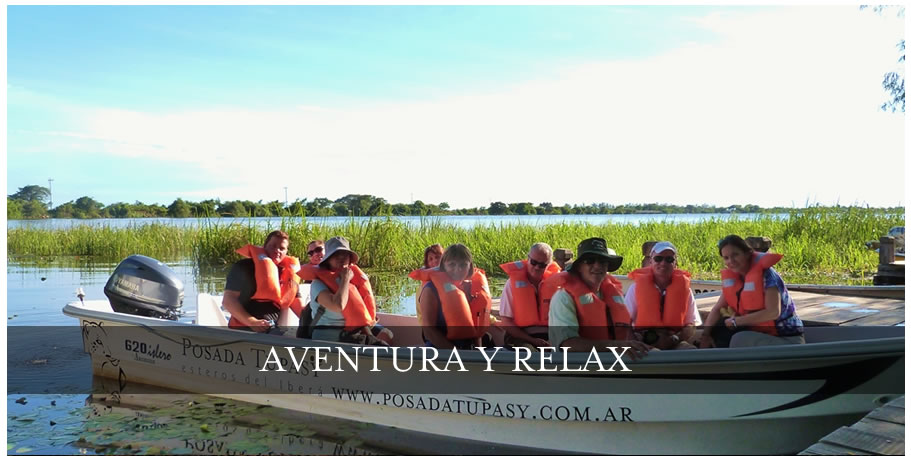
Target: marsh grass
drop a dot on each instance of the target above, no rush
(159, 241)
(820, 245)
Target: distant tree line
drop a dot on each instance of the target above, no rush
(31, 202)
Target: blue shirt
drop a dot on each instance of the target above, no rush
(788, 323)
(329, 317)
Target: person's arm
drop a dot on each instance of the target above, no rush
(689, 321)
(231, 302)
(336, 302)
(429, 306)
(706, 340)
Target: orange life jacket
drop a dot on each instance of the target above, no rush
(463, 320)
(746, 294)
(594, 322)
(360, 310)
(526, 306)
(649, 310)
(549, 287)
(275, 283)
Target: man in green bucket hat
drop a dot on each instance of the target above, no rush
(588, 310)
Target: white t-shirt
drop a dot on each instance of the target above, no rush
(506, 300)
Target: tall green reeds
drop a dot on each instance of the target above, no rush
(154, 240)
(820, 245)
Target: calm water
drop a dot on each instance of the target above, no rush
(463, 221)
(41, 423)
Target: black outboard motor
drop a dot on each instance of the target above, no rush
(146, 287)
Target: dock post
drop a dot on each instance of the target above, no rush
(886, 250)
(889, 271)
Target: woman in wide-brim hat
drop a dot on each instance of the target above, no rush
(342, 300)
(588, 311)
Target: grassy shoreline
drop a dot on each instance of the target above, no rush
(820, 245)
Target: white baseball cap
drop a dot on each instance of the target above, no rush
(662, 246)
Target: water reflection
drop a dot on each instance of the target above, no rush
(40, 423)
(148, 420)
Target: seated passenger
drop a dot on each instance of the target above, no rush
(455, 305)
(647, 253)
(661, 305)
(314, 254)
(432, 256)
(315, 251)
(341, 298)
(588, 311)
(763, 312)
(259, 286)
(521, 311)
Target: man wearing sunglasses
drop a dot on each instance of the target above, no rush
(661, 305)
(588, 310)
(521, 313)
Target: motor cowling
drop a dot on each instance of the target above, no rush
(145, 287)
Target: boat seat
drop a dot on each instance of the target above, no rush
(208, 311)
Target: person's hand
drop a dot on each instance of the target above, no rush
(258, 325)
(346, 274)
(539, 342)
(665, 341)
(730, 323)
(706, 342)
(637, 350)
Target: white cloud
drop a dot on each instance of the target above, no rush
(781, 108)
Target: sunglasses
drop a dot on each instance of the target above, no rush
(591, 260)
(539, 264)
(659, 259)
(316, 250)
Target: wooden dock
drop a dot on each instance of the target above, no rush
(881, 432)
(832, 310)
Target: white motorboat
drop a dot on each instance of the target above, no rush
(763, 400)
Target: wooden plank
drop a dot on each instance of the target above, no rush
(870, 442)
(836, 310)
(831, 315)
(897, 402)
(886, 318)
(888, 414)
(824, 449)
(882, 428)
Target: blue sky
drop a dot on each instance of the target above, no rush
(465, 105)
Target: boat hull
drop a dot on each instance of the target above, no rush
(769, 400)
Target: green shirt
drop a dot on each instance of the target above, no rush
(562, 319)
